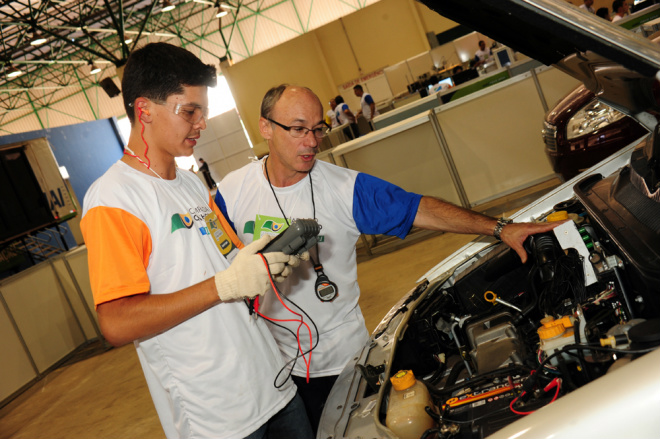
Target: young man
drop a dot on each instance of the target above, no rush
(619, 10)
(482, 55)
(345, 116)
(290, 183)
(367, 104)
(167, 273)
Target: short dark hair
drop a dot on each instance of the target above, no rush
(358, 87)
(159, 70)
(616, 4)
(603, 13)
(339, 100)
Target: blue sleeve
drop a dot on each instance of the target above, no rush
(368, 99)
(380, 207)
(220, 202)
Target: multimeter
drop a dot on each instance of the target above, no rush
(299, 237)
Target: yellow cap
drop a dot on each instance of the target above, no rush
(560, 215)
(552, 328)
(403, 379)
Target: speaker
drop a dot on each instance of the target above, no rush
(108, 86)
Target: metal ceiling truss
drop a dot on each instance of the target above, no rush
(104, 32)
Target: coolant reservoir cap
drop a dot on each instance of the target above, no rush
(403, 379)
(557, 216)
(552, 328)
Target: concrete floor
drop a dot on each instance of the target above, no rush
(105, 395)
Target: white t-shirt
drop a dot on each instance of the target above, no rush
(333, 118)
(587, 8)
(211, 376)
(342, 117)
(365, 102)
(483, 54)
(347, 203)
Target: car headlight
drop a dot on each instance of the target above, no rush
(591, 118)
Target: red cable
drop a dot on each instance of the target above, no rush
(554, 383)
(302, 322)
(146, 145)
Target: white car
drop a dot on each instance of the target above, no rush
(565, 345)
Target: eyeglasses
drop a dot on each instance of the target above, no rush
(191, 113)
(299, 131)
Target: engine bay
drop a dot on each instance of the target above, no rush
(500, 338)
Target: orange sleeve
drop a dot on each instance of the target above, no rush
(118, 250)
(225, 224)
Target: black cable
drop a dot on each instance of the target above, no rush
(311, 188)
(438, 374)
(454, 372)
(298, 353)
(590, 347)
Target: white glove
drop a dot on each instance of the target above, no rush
(247, 275)
(287, 269)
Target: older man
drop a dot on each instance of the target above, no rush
(290, 183)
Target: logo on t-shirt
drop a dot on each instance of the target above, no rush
(181, 220)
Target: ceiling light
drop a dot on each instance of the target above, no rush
(13, 71)
(128, 40)
(93, 69)
(167, 6)
(37, 39)
(221, 13)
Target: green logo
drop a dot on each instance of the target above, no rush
(180, 221)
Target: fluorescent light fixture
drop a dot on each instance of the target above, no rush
(128, 40)
(13, 72)
(37, 39)
(167, 6)
(221, 13)
(93, 69)
(64, 173)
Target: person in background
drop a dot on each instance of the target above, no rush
(331, 116)
(206, 172)
(170, 275)
(588, 6)
(345, 115)
(603, 13)
(619, 9)
(367, 104)
(290, 183)
(482, 55)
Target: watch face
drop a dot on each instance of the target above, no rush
(326, 292)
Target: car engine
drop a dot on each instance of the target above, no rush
(500, 339)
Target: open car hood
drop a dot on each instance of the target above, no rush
(578, 43)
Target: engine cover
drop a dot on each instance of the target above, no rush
(494, 342)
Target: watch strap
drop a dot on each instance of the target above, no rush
(501, 222)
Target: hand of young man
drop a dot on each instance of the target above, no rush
(247, 275)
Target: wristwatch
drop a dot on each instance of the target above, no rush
(501, 222)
